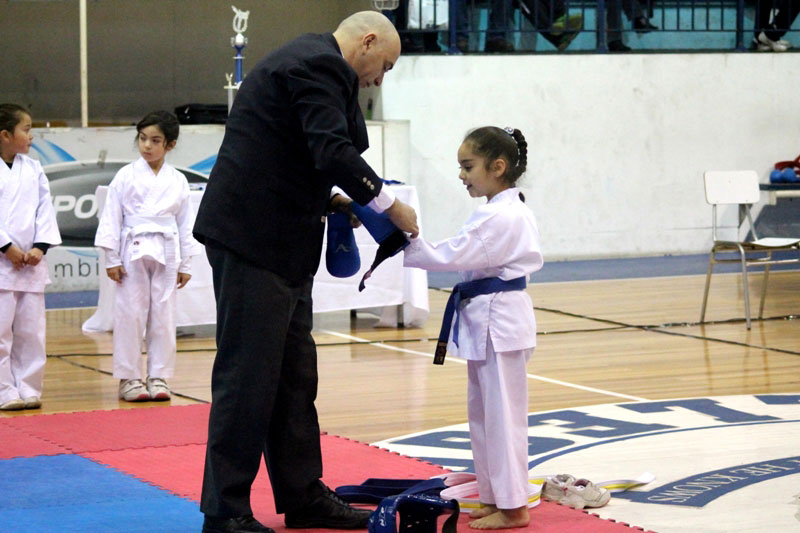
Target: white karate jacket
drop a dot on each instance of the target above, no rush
(26, 216)
(500, 239)
(135, 192)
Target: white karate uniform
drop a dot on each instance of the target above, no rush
(146, 226)
(26, 217)
(497, 335)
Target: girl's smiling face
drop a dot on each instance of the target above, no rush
(479, 178)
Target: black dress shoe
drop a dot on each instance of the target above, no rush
(240, 524)
(618, 46)
(642, 25)
(327, 511)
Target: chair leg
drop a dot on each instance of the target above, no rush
(763, 291)
(708, 284)
(746, 287)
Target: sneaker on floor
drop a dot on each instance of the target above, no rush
(158, 389)
(784, 42)
(32, 403)
(769, 44)
(583, 493)
(13, 405)
(555, 487)
(133, 390)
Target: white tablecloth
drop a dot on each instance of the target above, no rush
(389, 287)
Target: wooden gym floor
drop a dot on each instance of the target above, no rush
(600, 342)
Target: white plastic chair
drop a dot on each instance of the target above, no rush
(741, 187)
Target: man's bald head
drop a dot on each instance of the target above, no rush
(370, 44)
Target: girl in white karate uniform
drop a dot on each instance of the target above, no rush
(27, 229)
(495, 253)
(146, 232)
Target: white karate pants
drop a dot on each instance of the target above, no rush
(22, 344)
(497, 404)
(138, 312)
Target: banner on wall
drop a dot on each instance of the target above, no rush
(78, 160)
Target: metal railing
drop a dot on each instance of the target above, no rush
(427, 25)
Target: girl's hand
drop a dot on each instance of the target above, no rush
(16, 256)
(183, 279)
(116, 273)
(33, 257)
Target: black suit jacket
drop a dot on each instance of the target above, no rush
(294, 131)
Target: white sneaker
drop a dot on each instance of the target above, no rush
(583, 493)
(555, 487)
(32, 403)
(158, 389)
(767, 44)
(13, 405)
(784, 42)
(133, 390)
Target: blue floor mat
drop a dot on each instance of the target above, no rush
(69, 493)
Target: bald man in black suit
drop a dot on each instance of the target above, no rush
(295, 130)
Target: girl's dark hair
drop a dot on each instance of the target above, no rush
(166, 122)
(494, 143)
(11, 115)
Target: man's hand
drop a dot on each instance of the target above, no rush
(343, 204)
(116, 273)
(33, 257)
(404, 217)
(16, 256)
(183, 279)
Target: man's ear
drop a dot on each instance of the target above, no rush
(369, 40)
(170, 145)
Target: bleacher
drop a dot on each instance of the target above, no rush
(684, 25)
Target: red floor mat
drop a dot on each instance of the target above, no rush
(17, 443)
(165, 447)
(119, 429)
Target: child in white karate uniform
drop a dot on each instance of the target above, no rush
(146, 233)
(493, 326)
(27, 229)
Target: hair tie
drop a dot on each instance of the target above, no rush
(510, 132)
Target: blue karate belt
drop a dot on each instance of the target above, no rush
(417, 501)
(464, 290)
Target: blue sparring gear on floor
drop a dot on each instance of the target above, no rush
(341, 254)
(389, 238)
(416, 501)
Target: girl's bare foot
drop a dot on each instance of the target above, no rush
(484, 510)
(503, 519)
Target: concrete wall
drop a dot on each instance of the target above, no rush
(617, 143)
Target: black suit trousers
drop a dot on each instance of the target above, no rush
(263, 385)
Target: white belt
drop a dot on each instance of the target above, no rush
(463, 487)
(165, 225)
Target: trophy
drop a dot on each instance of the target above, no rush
(238, 42)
